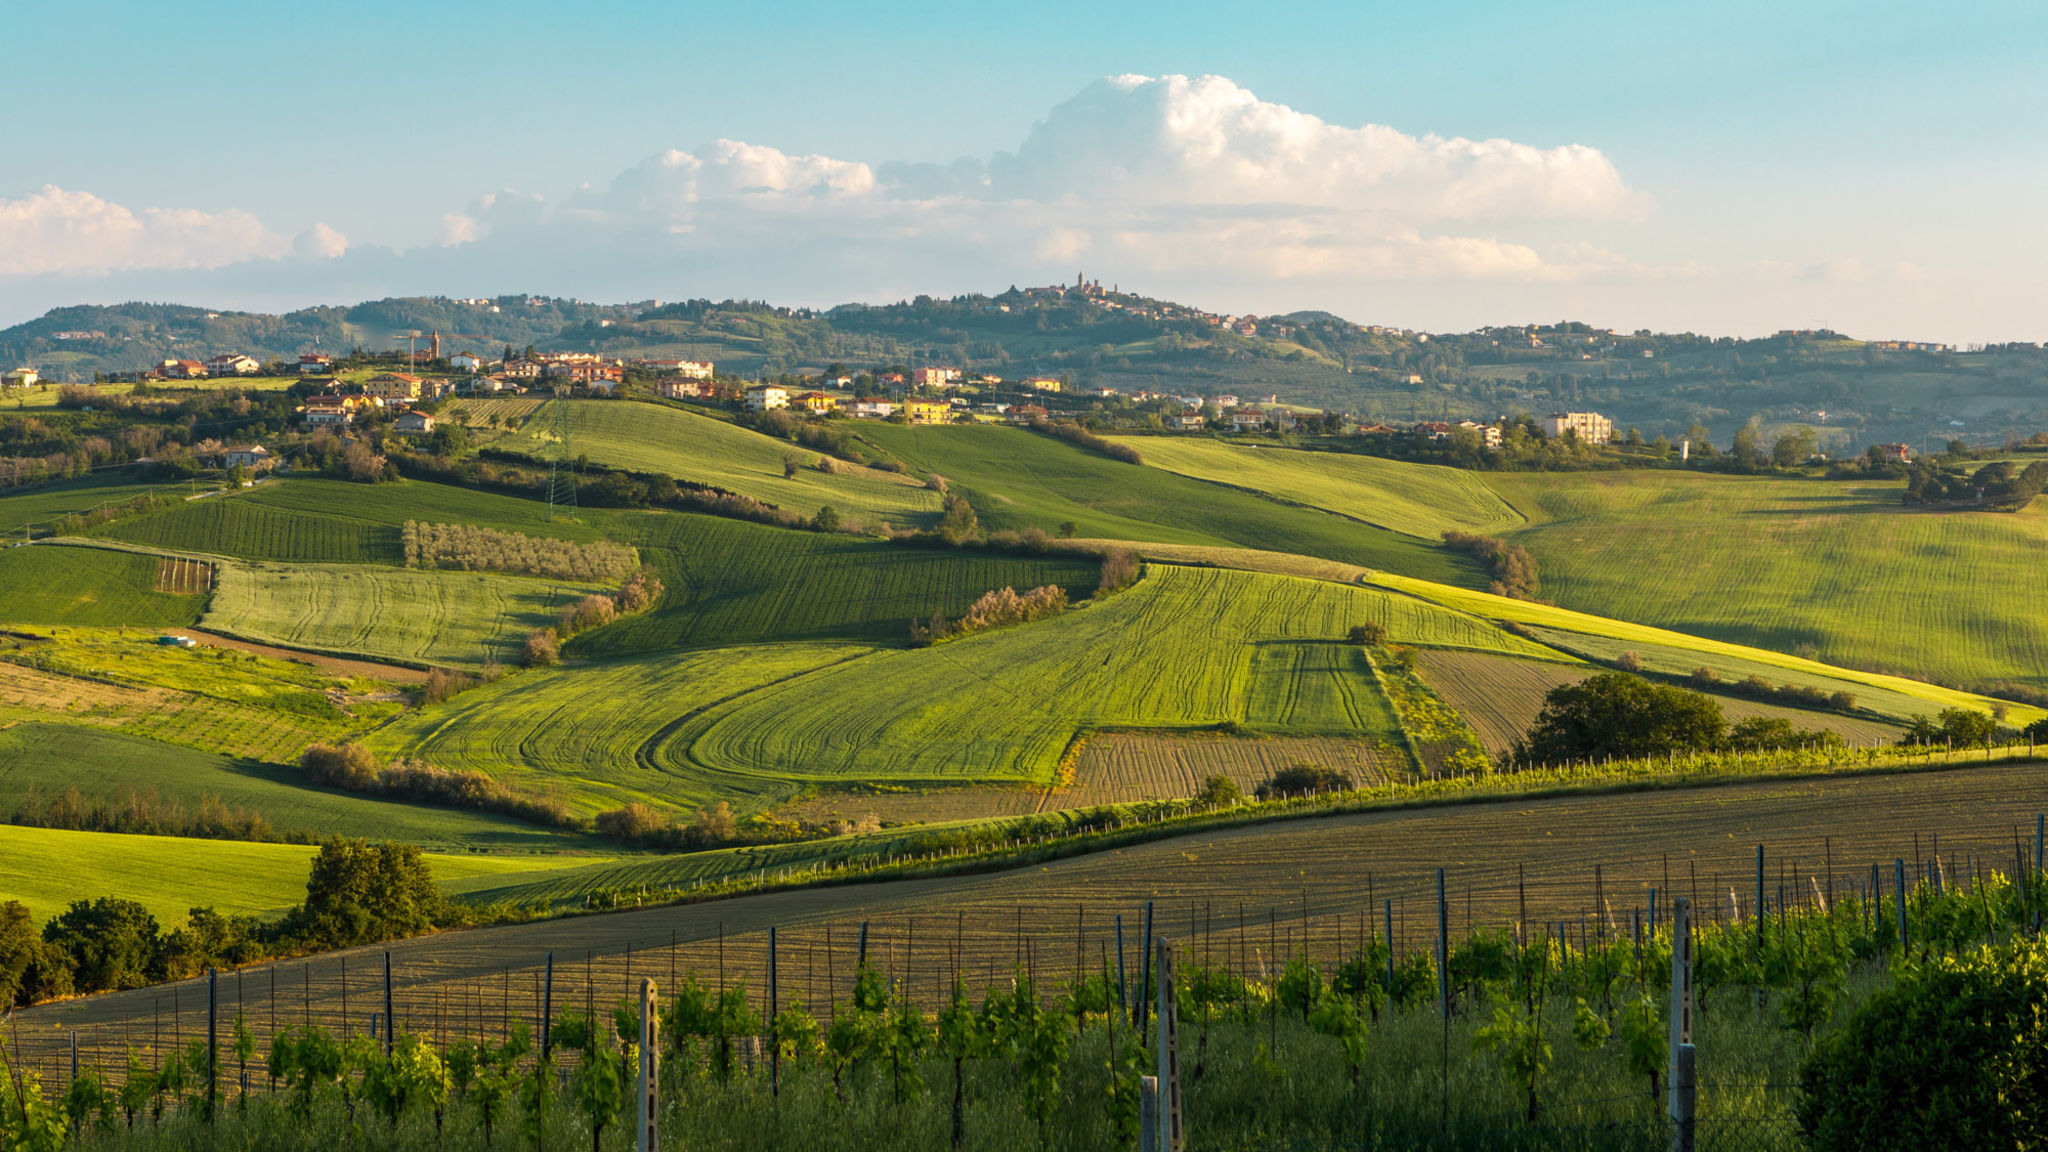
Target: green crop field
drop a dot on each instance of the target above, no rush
(1772, 563)
(1894, 695)
(731, 582)
(434, 617)
(1421, 500)
(1184, 648)
(241, 526)
(46, 584)
(669, 441)
(35, 508)
(43, 760)
(47, 868)
(1018, 479)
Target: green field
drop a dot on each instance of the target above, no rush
(45, 759)
(1421, 500)
(37, 507)
(243, 526)
(403, 614)
(46, 584)
(1910, 697)
(47, 869)
(1773, 563)
(668, 441)
(1186, 647)
(1018, 479)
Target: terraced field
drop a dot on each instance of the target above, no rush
(1186, 648)
(1500, 697)
(43, 760)
(1889, 695)
(45, 584)
(443, 618)
(669, 441)
(1018, 479)
(1421, 500)
(1955, 596)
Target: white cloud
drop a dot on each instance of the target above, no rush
(55, 231)
(319, 243)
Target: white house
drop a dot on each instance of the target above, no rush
(22, 377)
(254, 457)
(1247, 419)
(762, 397)
(468, 362)
(872, 408)
(233, 364)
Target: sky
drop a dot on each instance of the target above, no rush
(1733, 168)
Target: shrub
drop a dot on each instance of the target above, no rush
(349, 767)
(1513, 568)
(543, 647)
(1218, 792)
(1120, 569)
(592, 611)
(1954, 1055)
(1629, 662)
(1304, 778)
(1369, 635)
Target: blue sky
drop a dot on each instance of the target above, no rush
(1873, 166)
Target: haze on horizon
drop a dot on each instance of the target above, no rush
(1863, 167)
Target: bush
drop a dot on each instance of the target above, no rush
(1954, 1055)
(1218, 792)
(1304, 778)
(1120, 569)
(349, 767)
(1513, 568)
(543, 648)
(1629, 662)
(1368, 635)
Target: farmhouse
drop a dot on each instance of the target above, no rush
(1190, 421)
(1589, 427)
(254, 457)
(394, 386)
(762, 397)
(1043, 384)
(468, 362)
(314, 364)
(413, 423)
(1247, 419)
(873, 408)
(182, 370)
(22, 377)
(233, 364)
(814, 402)
(928, 411)
(682, 388)
(1025, 413)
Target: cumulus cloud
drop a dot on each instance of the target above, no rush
(56, 231)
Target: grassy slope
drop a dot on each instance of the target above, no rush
(1777, 563)
(1187, 647)
(48, 868)
(38, 506)
(1419, 500)
(1019, 479)
(90, 586)
(1908, 697)
(658, 439)
(46, 759)
(446, 618)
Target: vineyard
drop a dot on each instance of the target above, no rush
(182, 577)
(1782, 563)
(401, 614)
(1122, 767)
(1420, 500)
(88, 586)
(244, 528)
(1019, 480)
(1186, 648)
(698, 449)
(1305, 1009)
(41, 761)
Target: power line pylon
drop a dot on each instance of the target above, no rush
(561, 461)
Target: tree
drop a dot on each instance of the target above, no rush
(1618, 715)
(21, 953)
(1218, 792)
(1792, 449)
(110, 943)
(1368, 634)
(359, 893)
(959, 524)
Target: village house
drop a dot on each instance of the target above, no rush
(523, 369)
(582, 371)
(1102, 393)
(314, 364)
(762, 397)
(181, 370)
(817, 402)
(233, 364)
(1226, 401)
(1895, 453)
(329, 410)
(413, 423)
(1590, 427)
(1190, 421)
(873, 408)
(928, 411)
(394, 386)
(22, 378)
(1378, 430)
(1489, 434)
(1025, 413)
(935, 377)
(254, 457)
(681, 388)
(1247, 420)
(468, 362)
(1043, 384)
(1435, 431)
(687, 369)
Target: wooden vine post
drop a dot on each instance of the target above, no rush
(1171, 1138)
(648, 1138)
(1681, 1085)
